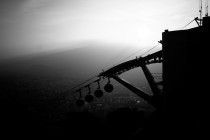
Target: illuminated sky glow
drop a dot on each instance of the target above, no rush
(29, 26)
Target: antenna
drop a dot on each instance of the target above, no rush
(200, 10)
(206, 6)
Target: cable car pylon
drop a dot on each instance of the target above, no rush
(126, 66)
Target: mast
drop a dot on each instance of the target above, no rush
(200, 11)
(206, 8)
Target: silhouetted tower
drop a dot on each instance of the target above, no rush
(200, 11)
(184, 72)
(206, 6)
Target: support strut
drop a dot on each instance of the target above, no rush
(135, 90)
(150, 80)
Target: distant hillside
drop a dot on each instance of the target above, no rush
(77, 64)
(87, 59)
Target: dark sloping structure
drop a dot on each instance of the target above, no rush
(185, 79)
(182, 106)
(138, 62)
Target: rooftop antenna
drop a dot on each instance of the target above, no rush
(200, 10)
(206, 6)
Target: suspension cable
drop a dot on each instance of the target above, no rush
(134, 54)
(150, 49)
(187, 24)
(111, 67)
(127, 57)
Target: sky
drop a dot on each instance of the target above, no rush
(31, 26)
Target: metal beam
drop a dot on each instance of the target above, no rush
(131, 64)
(135, 90)
(150, 79)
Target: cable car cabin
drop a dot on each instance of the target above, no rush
(185, 78)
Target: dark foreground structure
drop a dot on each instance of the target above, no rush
(181, 106)
(185, 80)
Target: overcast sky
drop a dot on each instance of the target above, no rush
(28, 26)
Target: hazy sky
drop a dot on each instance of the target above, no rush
(28, 26)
